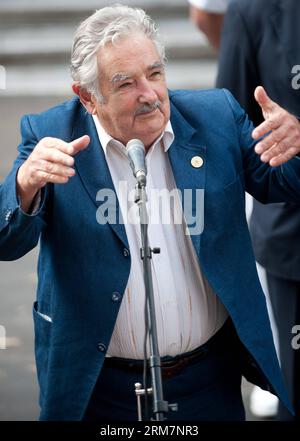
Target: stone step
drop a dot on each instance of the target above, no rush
(54, 78)
(54, 41)
(28, 10)
(36, 39)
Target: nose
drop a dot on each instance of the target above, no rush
(146, 92)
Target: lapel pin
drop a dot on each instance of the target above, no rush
(197, 161)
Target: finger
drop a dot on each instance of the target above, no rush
(79, 144)
(57, 156)
(42, 178)
(284, 157)
(278, 149)
(266, 127)
(55, 168)
(268, 142)
(53, 144)
(68, 148)
(263, 129)
(265, 102)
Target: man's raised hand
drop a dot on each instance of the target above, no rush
(50, 161)
(283, 141)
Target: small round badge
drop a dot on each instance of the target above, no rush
(197, 161)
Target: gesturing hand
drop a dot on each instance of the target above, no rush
(283, 141)
(50, 161)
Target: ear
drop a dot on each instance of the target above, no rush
(85, 97)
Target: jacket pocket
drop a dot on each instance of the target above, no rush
(42, 331)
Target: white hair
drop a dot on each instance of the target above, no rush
(107, 25)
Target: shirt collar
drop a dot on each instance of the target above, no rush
(167, 137)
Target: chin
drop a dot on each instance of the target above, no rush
(151, 134)
(154, 128)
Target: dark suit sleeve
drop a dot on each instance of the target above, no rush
(266, 184)
(20, 232)
(237, 69)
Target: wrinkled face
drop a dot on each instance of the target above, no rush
(132, 82)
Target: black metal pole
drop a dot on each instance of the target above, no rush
(160, 406)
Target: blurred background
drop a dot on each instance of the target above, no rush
(35, 43)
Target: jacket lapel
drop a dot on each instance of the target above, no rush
(189, 176)
(92, 167)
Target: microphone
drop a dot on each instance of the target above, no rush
(136, 154)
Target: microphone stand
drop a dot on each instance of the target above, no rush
(160, 406)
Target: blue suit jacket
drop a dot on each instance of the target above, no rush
(82, 263)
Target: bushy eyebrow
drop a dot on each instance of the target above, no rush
(119, 77)
(156, 65)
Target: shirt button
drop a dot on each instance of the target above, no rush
(126, 252)
(116, 297)
(101, 347)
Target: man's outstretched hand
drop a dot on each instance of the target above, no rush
(283, 141)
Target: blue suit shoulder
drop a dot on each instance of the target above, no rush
(211, 104)
(194, 96)
(55, 120)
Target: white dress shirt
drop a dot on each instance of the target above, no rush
(188, 313)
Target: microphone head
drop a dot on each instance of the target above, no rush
(134, 144)
(135, 150)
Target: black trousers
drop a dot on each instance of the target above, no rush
(285, 300)
(206, 390)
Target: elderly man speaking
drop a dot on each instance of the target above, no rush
(211, 315)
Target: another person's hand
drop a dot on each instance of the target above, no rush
(50, 161)
(283, 141)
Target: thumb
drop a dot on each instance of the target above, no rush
(265, 102)
(80, 143)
